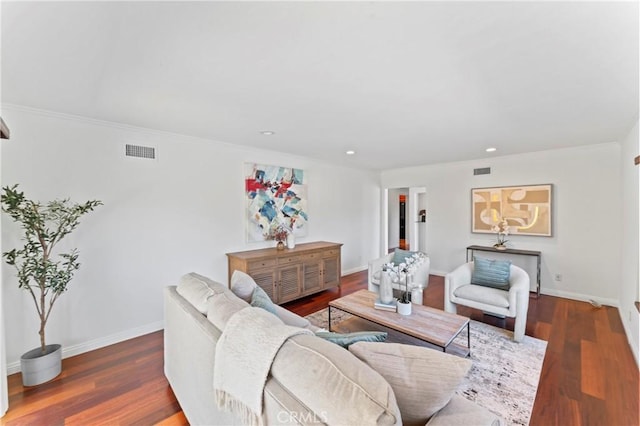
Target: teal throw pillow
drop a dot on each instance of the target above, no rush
(491, 273)
(260, 299)
(347, 339)
(400, 255)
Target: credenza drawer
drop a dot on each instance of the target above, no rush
(331, 253)
(262, 263)
(312, 256)
(289, 259)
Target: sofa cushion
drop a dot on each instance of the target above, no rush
(460, 411)
(334, 384)
(491, 273)
(222, 306)
(347, 339)
(376, 276)
(242, 285)
(291, 318)
(481, 294)
(196, 289)
(423, 379)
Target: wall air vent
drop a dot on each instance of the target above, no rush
(140, 151)
(482, 171)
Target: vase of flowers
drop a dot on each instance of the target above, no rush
(403, 274)
(502, 230)
(280, 235)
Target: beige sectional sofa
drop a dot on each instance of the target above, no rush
(311, 380)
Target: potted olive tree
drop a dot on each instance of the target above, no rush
(41, 273)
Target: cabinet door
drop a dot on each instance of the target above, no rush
(289, 287)
(330, 272)
(266, 279)
(311, 276)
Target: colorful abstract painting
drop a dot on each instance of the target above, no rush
(276, 196)
(527, 209)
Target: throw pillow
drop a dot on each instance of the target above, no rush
(334, 384)
(242, 285)
(491, 273)
(423, 380)
(196, 289)
(260, 299)
(400, 255)
(292, 319)
(347, 339)
(222, 306)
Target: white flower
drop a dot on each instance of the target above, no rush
(502, 229)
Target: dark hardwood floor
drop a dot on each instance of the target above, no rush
(589, 376)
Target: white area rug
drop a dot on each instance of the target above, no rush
(504, 376)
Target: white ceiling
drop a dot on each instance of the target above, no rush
(402, 83)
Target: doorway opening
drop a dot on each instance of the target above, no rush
(404, 219)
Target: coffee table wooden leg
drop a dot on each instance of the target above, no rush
(329, 318)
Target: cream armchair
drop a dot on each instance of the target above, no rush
(513, 303)
(421, 276)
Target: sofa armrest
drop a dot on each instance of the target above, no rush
(421, 276)
(459, 276)
(454, 279)
(518, 290)
(375, 266)
(189, 355)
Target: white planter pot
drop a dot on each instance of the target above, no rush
(38, 368)
(404, 308)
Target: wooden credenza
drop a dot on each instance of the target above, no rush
(289, 274)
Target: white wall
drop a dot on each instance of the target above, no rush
(585, 247)
(160, 219)
(415, 204)
(630, 239)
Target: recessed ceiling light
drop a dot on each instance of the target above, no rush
(491, 149)
(268, 132)
(350, 152)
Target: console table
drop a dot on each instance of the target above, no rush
(289, 274)
(535, 253)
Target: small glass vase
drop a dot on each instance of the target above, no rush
(280, 245)
(416, 295)
(291, 241)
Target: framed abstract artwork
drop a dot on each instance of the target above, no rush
(527, 209)
(276, 197)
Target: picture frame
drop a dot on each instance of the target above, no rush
(526, 208)
(275, 197)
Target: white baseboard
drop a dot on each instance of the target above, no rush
(354, 270)
(81, 348)
(580, 297)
